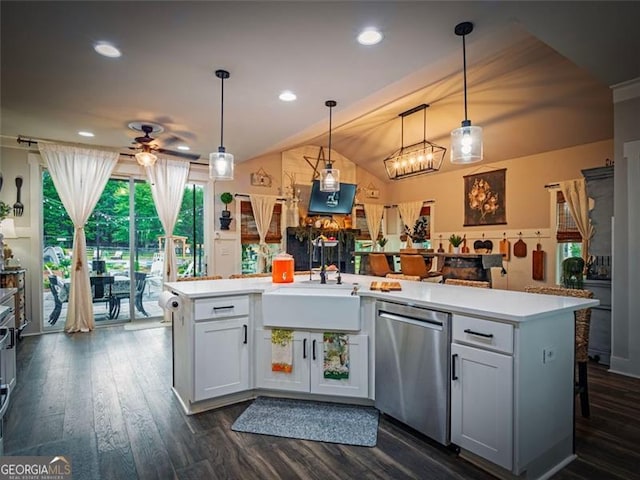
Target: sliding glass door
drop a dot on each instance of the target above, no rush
(125, 251)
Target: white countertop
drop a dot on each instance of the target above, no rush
(504, 305)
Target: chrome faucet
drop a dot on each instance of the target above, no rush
(323, 270)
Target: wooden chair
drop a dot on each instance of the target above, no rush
(379, 265)
(467, 283)
(582, 325)
(417, 265)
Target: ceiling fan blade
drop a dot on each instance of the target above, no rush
(189, 156)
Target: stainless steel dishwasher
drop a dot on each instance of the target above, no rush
(413, 347)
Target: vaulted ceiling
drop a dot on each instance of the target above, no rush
(539, 73)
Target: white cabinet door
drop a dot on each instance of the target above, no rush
(482, 403)
(356, 385)
(221, 357)
(298, 379)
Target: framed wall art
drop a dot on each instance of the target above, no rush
(484, 198)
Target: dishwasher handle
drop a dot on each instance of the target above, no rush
(412, 320)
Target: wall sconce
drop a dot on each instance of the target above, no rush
(418, 158)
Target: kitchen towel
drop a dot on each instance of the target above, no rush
(281, 350)
(336, 355)
(493, 260)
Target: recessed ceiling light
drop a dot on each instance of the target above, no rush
(184, 148)
(287, 96)
(107, 50)
(86, 134)
(369, 36)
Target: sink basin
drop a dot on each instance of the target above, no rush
(321, 307)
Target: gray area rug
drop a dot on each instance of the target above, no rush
(309, 420)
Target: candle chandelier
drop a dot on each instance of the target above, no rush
(418, 158)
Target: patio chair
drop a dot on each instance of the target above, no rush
(141, 282)
(57, 289)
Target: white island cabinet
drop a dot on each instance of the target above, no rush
(512, 363)
(307, 363)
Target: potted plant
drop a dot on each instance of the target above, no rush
(225, 219)
(573, 272)
(455, 241)
(381, 243)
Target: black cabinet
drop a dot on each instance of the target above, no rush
(302, 250)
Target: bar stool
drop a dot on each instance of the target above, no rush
(417, 265)
(378, 265)
(582, 326)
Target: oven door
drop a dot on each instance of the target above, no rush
(5, 391)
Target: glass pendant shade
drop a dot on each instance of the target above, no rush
(221, 165)
(466, 144)
(329, 179)
(146, 159)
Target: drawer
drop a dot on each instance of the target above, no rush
(483, 333)
(222, 307)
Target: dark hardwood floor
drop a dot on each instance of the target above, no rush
(104, 400)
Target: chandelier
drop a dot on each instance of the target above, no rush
(418, 158)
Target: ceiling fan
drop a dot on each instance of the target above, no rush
(146, 143)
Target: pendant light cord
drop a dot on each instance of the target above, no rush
(222, 110)
(464, 73)
(329, 165)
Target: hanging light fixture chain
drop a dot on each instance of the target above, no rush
(330, 104)
(222, 75)
(464, 73)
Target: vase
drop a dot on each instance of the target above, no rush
(456, 249)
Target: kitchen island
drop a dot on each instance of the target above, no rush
(510, 367)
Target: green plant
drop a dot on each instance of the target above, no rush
(382, 241)
(4, 210)
(226, 198)
(573, 272)
(455, 240)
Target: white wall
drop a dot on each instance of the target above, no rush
(625, 335)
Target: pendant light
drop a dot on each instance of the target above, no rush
(329, 176)
(418, 158)
(466, 141)
(221, 162)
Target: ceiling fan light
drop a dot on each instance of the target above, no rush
(146, 159)
(466, 145)
(221, 165)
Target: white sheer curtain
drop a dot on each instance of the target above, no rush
(79, 175)
(168, 179)
(373, 214)
(262, 206)
(409, 213)
(575, 194)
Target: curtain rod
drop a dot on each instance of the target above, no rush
(246, 195)
(30, 141)
(394, 205)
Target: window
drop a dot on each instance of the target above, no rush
(567, 234)
(361, 224)
(422, 228)
(250, 239)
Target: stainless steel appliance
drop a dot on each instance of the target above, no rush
(412, 367)
(5, 390)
